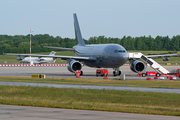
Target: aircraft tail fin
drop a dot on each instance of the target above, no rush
(79, 39)
(52, 53)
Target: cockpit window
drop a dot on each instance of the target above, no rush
(121, 51)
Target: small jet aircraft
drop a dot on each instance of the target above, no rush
(36, 60)
(97, 55)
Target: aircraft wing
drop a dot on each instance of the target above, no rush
(163, 55)
(56, 56)
(59, 48)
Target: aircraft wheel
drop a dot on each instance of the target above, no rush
(143, 74)
(81, 73)
(157, 74)
(114, 73)
(119, 72)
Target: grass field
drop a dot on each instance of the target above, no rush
(104, 82)
(108, 100)
(173, 60)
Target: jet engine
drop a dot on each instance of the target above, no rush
(19, 58)
(74, 65)
(165, 58)
(137, 66)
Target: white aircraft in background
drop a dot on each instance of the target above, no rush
(37, 60)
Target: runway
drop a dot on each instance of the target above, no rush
(11, 112)
(62, 72)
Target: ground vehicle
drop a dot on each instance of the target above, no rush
(175, 72)
(101, 72)
(149, 73)
(161, 78)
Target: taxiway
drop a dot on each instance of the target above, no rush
(11, 112)
(62, 72)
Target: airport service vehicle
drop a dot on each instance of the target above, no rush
(149, 73)
(103, 56)
(173, 78)
(161, 78)
(101, 72)
(175, 72)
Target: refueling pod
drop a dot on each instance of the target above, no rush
(74, 65)
(137, 66)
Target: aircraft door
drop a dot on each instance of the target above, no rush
(107, 52)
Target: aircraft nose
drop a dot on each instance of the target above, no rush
(123, 57)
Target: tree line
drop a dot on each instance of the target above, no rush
(21, 44)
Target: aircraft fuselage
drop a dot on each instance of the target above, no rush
(37, 60)
(107, 55)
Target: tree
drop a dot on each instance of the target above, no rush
(5, 48)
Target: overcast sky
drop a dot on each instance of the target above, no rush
(111, 18)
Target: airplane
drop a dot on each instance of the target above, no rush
(96, 55)
(36, 60)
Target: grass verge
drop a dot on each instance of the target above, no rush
(105, 82)
(108, 100)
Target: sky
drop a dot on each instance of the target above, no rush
(111, 18)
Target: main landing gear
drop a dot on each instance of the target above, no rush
(81, 73)
(116, 71)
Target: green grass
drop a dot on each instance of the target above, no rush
(104, 82)
(108, 100)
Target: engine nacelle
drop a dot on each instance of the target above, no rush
(74, 65)
(137, 66)
(19, 58)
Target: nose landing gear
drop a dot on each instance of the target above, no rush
(116, 72)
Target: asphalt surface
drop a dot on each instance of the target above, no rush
(141, 89)
(62, 72)
(11, 112)
(8, 112)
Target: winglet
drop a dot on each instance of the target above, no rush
(79, 39)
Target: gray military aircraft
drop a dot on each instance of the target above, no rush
(97, 55)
